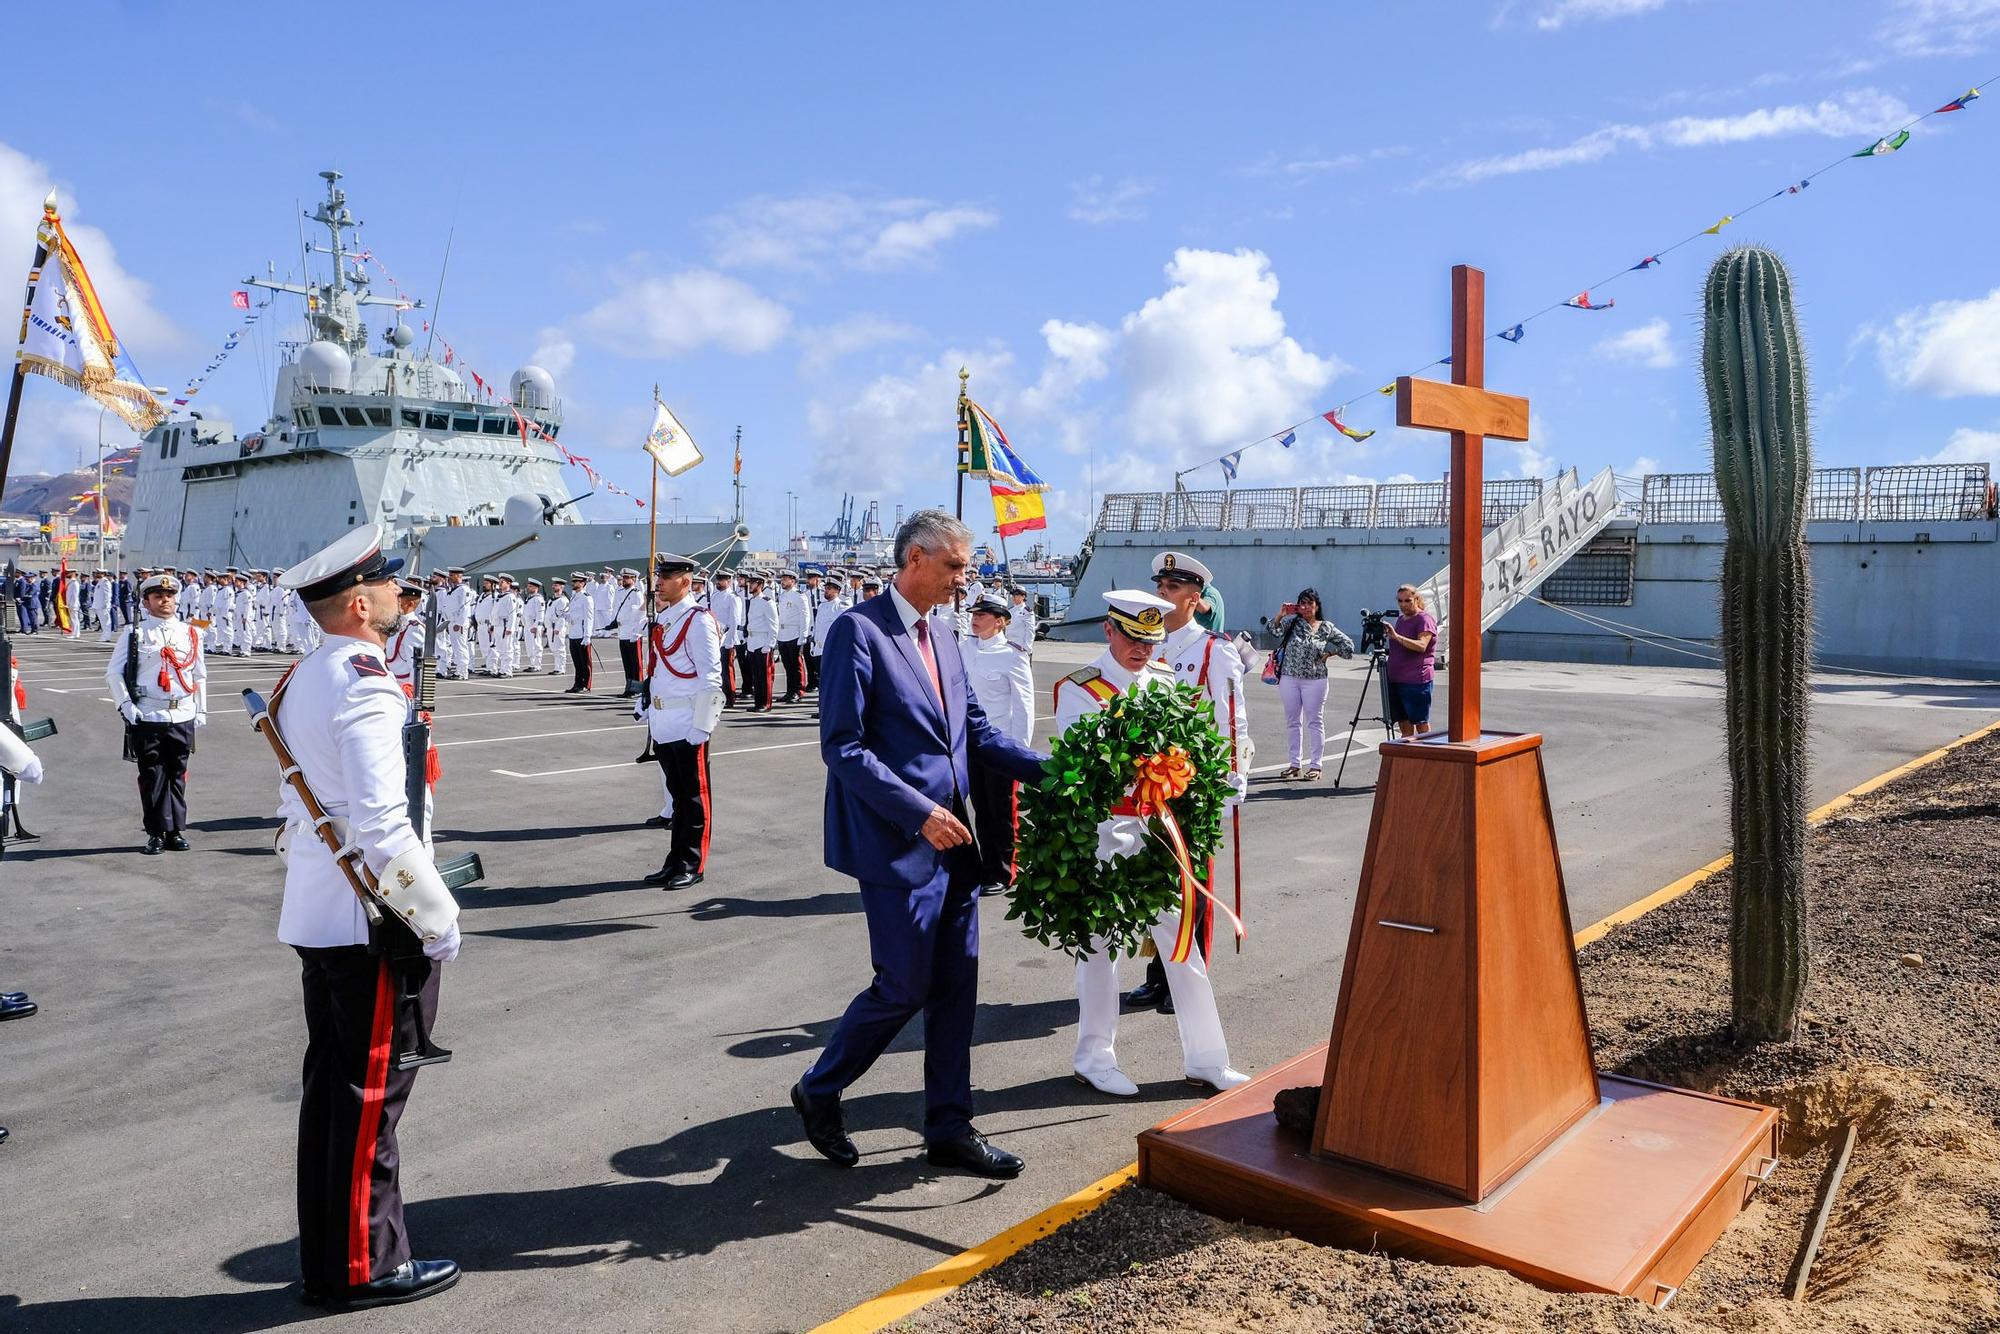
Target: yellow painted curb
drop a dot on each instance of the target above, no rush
(899, 1301)
(880, 1311)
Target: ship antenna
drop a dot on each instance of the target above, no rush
(437, 302)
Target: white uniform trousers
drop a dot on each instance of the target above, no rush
(1202, 1044)
(455, 660)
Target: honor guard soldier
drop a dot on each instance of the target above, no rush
(534, 629)
(1134, 630)
(555, 624)
(18, 764)
(628, 623)
(681, 706)
(1005, 687)
(726, 602)
(1021, 626)
(406, 642)
(341, 716)
(582, 626)
(760, 638)
(825, 612)
(1209, 662)
(159, 676)
(794, 617)
(506, 626)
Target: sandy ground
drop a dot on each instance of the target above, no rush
(1899, 1038)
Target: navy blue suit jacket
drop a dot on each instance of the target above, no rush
(892, 753)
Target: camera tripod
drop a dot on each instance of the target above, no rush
(1376, 676)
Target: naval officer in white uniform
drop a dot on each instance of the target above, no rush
(681, 705)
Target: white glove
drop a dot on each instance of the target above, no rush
(1120, 836)
(128, 711)
(31, 772)
(201, 720)
(445, 948)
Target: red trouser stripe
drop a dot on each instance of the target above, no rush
(372, 1093)
(1014, 820)
(707, 813)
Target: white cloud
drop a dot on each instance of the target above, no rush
(1862, 112)
(1968, 446)
(555, 352)
(1941, 27)
(1949, 348)
(876, 432)
(1565, 12)
(55, 421)
(829, 343)
(1210, 356)
(816, 231)
(1079, 354)
(1647, 345)
(1101, 202)
(669, 315)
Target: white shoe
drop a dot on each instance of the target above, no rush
(1112, 1081)
(1219, 1078)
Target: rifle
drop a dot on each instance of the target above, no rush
(465, 869)
(387, 931)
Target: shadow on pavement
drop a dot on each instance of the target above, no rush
(817, 905)
(1002, 1022)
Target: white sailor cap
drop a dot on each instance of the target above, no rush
(666, 562)
(504, 577)
(1180, 566)
(871, 582)
(353, 559)
(1138, 614)
(409, 588)
(993, 605)
(533, 583)
(628, 573)
(579, 576)
(720, 575)
(793, 575)
(159, 583)
(454, 569)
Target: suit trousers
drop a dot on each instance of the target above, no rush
(162, 750)
(925, 946)
(684, 768)
(795, 679)
(995, 818)
(579, 658)
(1202, 1043)
(350, 1196)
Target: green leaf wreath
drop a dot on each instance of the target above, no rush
(1063, 896)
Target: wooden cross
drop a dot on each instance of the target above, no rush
(1471, 412)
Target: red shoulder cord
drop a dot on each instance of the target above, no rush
(171, 661)
(664, 652)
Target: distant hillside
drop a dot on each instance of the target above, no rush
(38, 494)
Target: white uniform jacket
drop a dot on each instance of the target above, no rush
(602, 591)
(1120, 835)
(455, 606)
(342, 715)
(405, 643)
(1021, 627)
(727, 607)
(684, 694)
(1004, 684)
(506, 616)
(1209, 662)
(628, 614)
(173, 671)
(792, 614)
(534, 615)
(582, 616)
(556, 619)
(824, 615)
(761, 626)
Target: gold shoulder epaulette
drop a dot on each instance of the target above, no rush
(1083, 676)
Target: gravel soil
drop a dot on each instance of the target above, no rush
(1901, 1036)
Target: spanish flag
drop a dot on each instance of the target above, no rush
(1017, 511)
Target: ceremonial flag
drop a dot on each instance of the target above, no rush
(1727, 218)
(1794, 189)
(67, 337)
(1333, 420)
(1288, 439)
(63, 577)
(1016, 511)
(1229, 462)
(1388, 388)
(1958, 103)
(1582, 301)
(739, 458)
(1646, 263)
(992, 457)
(669, 443)
(1883, 147)
(1515, 334)
(240, 300)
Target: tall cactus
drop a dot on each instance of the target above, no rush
(1756, 378)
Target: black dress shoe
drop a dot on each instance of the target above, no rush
(152, 848)
(1147, 995)
(659, 822)
(3, 1134)
(17, 1009)
(682, 879)
(825, 1130)
(175, 843)
(972, 1153)
(413, 1280)
(13, 995)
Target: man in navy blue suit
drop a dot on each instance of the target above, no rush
(899, 730)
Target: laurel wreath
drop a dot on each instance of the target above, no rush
(1062, 895)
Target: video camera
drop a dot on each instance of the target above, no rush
(1374, 631)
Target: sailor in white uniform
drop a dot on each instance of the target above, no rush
(158, 673)
(555, 623)
(534, 626)
(628, 623)
(726, 603)
(341, 714)
(760, 641)
(582, 628)
(454, 604)
(1134, 628)
(825, 612)
(1005, 687)
(405, 644)
(681, 706)
(1021, 626)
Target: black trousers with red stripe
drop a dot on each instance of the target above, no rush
(579, 658)
(757, 676)
(162, 750)
(993, 824)
(790, 652)
(729, 677)
(350, 1196)
(684, 764)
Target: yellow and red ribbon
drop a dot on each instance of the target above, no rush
(1160, 778)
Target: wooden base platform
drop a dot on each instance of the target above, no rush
(1626, 1202)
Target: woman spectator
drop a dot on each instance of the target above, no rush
(1305, 642)
(1412, 654)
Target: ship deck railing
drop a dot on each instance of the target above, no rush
(1898, 492)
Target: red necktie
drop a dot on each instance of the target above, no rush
(930, 658)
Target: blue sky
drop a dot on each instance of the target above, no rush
(1153, 232)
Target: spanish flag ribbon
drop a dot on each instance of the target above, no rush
(1160, 778)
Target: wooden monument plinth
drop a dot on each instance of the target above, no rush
(1460, 1116)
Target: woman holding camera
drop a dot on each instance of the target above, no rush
(1412, 655)
(1305, 642)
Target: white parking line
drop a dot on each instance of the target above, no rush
(626, 764)
(537, 736)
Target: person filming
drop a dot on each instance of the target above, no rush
(1305, 642)
(1412, 655)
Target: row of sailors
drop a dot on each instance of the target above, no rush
(241, 611)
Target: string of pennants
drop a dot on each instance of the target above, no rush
(1287, 436)
(241, 300)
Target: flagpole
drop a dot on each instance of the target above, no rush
(964, 438)
(652, 548)
(20, 369)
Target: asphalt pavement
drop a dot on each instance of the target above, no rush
(612, 1148)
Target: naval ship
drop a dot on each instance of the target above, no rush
(385, 436)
